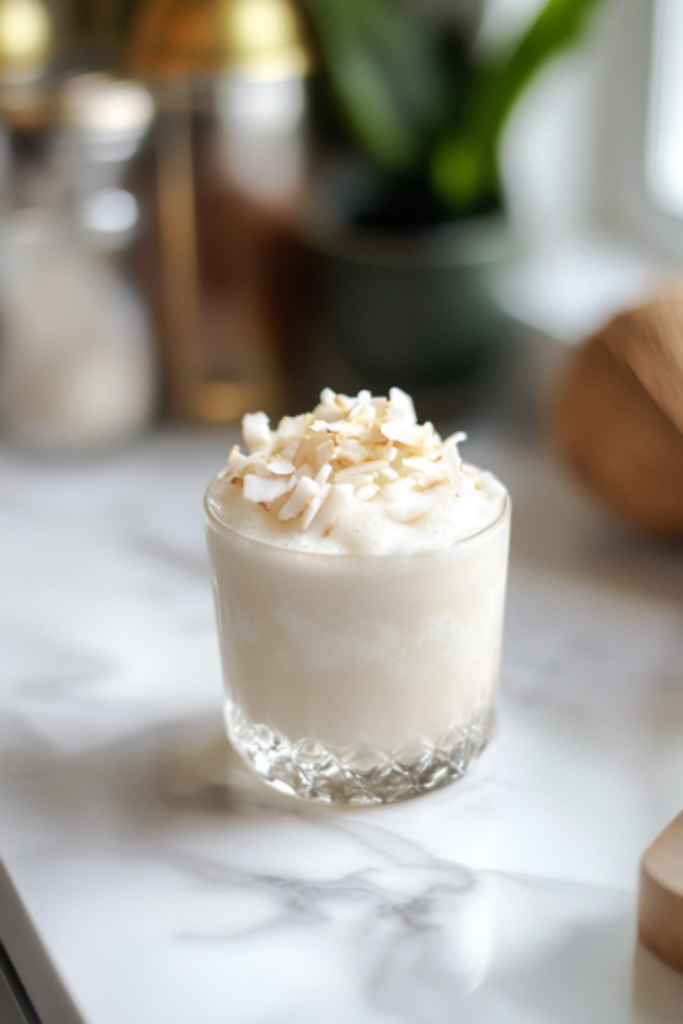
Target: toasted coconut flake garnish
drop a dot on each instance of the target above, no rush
(362, 400)
(294, 426)
(256, 431)
(402, 403)
(280, 467)
(314, 506)
(349, 477)
(236, 461)
(451, 458)
(305, 489)
(403, 431)
(339, 497)
(313, 465)
(323, 474)
(266, 489)
(351, 449)
(324, 453)
(418, 462)
(366, 467)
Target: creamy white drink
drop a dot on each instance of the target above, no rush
(359, 572)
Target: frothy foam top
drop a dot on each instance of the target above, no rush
(357, 475)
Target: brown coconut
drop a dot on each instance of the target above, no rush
(618, 415)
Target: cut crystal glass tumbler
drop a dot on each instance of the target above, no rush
(359, 679)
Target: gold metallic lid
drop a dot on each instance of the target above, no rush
(261, 39)
(26, 39)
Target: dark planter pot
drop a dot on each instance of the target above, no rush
(412, 310)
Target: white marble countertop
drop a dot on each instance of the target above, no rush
(149, 878)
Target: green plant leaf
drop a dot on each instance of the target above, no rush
(465, 162)
(383, 67)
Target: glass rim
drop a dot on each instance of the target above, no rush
(463, 543)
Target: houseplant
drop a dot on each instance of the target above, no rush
(405, 246)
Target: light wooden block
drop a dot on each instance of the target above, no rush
(660, 908)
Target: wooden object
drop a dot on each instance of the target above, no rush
(660, 909)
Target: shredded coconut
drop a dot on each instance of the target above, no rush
(348, 441)
(349, 464)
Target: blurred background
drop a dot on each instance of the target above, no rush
(210, 207)
(213, 206)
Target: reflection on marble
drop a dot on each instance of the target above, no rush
(167, 884)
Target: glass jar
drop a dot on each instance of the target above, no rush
(78, 362)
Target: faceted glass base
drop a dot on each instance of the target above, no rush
(362, 775)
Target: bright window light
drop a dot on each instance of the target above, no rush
(664, 151)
